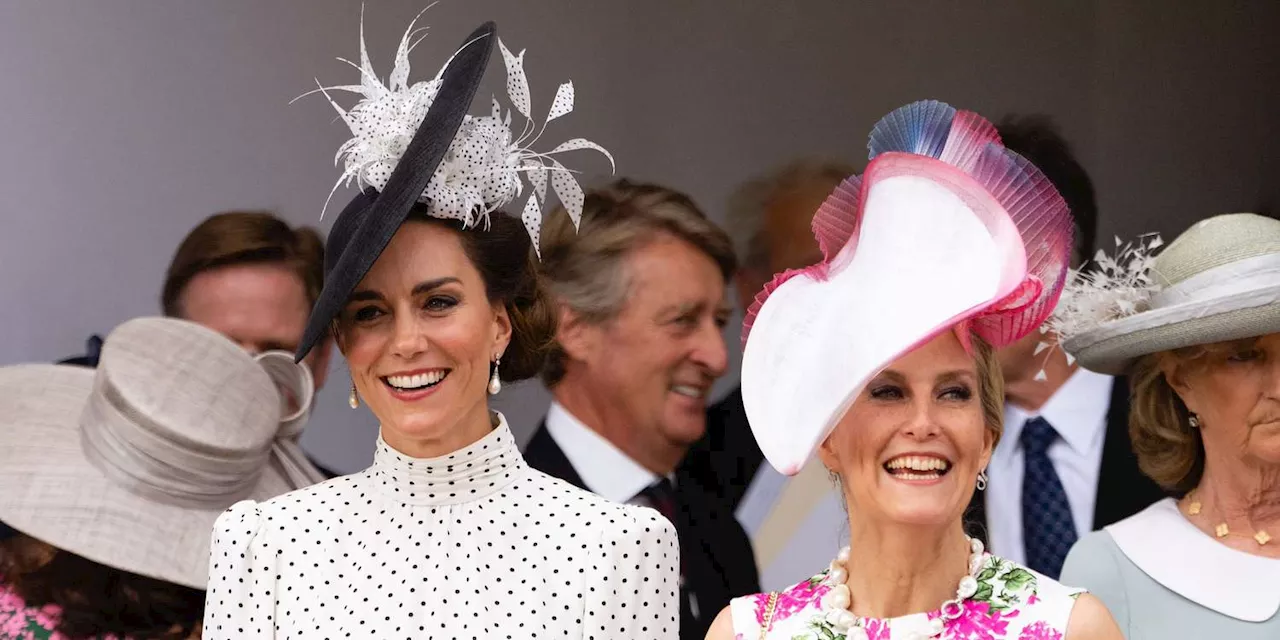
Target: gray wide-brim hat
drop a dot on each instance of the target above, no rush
(1218, 281)
(129, 465)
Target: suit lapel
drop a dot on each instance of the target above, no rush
(542, 453)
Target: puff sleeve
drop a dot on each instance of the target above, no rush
(633, 591)
(240, 601)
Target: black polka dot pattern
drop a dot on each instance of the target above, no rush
(475, 544)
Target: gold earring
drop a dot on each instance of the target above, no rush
(353, 399)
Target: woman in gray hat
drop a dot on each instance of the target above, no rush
(113, 477)
(1197, 331)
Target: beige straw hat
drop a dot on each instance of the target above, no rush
(129, 465)
(1218, 281)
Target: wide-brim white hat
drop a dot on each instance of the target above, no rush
(1218, 281)
(129, 465)
(946, 228)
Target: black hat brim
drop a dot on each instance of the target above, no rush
(367, 224)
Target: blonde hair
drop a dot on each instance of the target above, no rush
(1169, 450)
(990, 388)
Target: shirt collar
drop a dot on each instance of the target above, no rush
(1077, 411)
(1173, 552)
(604, 468)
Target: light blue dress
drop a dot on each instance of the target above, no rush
(1161, 577)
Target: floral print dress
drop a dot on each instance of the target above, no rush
(21, 622)
(1012, 602)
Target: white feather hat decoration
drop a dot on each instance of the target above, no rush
(481, 172)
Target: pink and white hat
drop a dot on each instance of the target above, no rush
(946, 229)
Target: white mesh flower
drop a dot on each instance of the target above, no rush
(481, 171)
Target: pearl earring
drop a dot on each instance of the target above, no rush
(353, 399)
(495, 384)
(982, 480)
(1194, 421)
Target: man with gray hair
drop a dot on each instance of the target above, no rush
(769, 219)
(640, 291)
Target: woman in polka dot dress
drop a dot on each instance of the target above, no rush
(434, 301)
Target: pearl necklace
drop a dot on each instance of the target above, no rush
(836, 601)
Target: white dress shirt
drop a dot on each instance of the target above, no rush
(1078, 412)
(603, 467)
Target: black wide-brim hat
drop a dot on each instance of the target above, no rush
(367, 224)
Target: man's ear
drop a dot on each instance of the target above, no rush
(577, 337)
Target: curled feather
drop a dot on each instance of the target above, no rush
(1109, 288)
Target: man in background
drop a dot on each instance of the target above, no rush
(769, 219)
(249, 276)
(641, 296)
(1058, 417)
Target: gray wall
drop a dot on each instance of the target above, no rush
(126, 122)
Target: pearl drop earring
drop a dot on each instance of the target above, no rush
(353, 399)
(495, 384)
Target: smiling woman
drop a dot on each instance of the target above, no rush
(432, 295)
(442, 314)
(879, 360)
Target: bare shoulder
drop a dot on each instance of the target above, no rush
(1090, 620)
(721, 627)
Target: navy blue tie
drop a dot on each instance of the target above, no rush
(1048, 530)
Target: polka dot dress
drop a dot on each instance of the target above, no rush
(475, 544)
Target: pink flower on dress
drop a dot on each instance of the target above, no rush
(877, 629)
(978, 622)
(21, 622)
(798, 597)
(790, 601)
(1040, 631)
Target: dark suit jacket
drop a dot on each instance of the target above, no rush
(719, 563)
(729, 451)
(1122, 489)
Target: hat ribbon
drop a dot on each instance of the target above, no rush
(297, 391)
(1239, 278)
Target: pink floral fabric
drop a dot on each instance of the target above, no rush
(1012, 602)
(20, 622)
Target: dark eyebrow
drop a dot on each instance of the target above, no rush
(418, 289)
(429, 285)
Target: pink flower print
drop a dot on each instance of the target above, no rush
(21, 622)
(799, 597)
(790, 601)
(1040, 631)
(977, 622)
(761, 606)
(876, 629)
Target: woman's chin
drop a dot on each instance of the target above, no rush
(922, 504)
